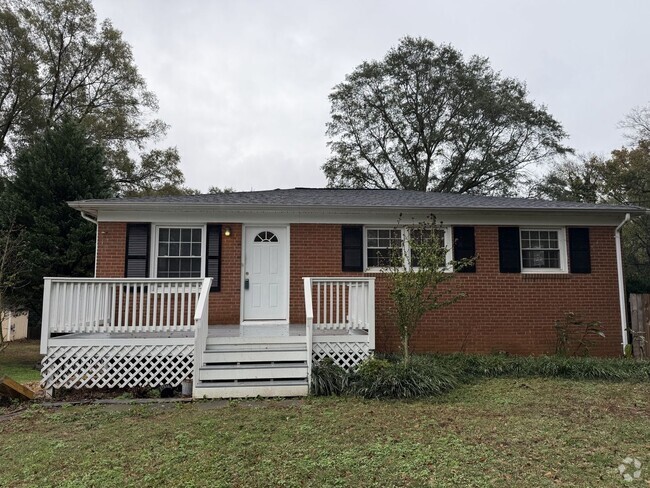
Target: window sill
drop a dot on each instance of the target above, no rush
(543, 271)
(559, 276)
(378, 270)
(388, 270)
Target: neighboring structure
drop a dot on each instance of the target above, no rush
(230, 288)
(14, 326)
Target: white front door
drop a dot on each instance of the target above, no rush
(265, 289)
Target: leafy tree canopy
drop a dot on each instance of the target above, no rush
(623, 177)
(215, 190)
(56, 61)
(575, 179)
(424, 118)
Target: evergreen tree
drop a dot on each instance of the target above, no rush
(61, 165)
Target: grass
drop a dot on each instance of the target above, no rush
(510, 422)
(497, 432)
(19, 359)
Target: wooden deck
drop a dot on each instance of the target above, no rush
(216, 331)
(122, 333)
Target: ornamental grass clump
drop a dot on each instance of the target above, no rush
(380, 378)
(328, 378)
(431, 375)
(468, 367)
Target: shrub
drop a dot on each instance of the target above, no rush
(373, 366)
(576, 336)
(415, 277)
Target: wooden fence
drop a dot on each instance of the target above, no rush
(640, 324)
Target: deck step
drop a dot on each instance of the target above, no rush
(254, 372)
(253, 355)
(237, 340)
(243, 367)
(258, 346)
(278, 388)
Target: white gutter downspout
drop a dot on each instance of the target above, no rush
(88, 218)
(621, 283)
(94, 221)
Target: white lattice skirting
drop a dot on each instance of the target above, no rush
(116, 366)
(346, 354)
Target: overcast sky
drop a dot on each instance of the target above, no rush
(244, 84)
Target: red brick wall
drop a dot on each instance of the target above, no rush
(224, 305)
(514, 313)
(111, 249)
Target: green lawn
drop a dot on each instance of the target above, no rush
(498, 432)
(19, 359)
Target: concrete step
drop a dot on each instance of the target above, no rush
(279, 388)
(253, 372)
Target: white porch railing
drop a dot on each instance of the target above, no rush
(118, 305)
(201, 329)
(157, 308)
(343, 303)
(335, 306)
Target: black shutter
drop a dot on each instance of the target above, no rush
(464, 247)
(579, 252)
(352, 247)
(213, 256)
(509, 250)
(137, 251)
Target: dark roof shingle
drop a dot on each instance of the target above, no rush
(356, 198)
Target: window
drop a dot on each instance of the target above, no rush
(543, 250)
(266, 236)
(422, 237)
(383, 244)
(179, 252)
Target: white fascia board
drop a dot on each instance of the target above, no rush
(280, 215)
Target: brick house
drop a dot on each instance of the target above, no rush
(242, 291)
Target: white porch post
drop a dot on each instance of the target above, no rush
(309, 324)
(45, 316)
(371, 314)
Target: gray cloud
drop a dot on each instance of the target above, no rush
(244, 85)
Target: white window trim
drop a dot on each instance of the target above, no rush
(562, 244)
(407, 250)
(376, 269)
(153, 265)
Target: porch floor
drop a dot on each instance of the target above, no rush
(294, 330)
(233, 330)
